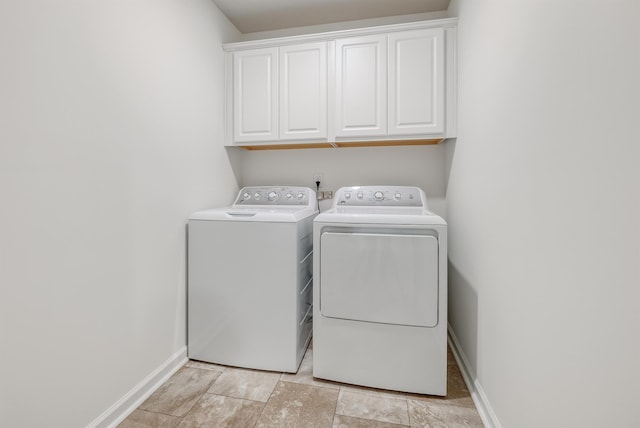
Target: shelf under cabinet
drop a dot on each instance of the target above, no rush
(338, 144)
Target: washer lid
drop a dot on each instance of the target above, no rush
(267, 204)
(271, 214)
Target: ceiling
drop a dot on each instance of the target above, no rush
(251, 16)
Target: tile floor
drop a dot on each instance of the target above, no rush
(209, 395)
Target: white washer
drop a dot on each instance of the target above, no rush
(380, 291)
(250, 279)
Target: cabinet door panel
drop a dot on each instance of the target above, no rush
(255, 89)
(303, 91)
(361, 86)
(416, 82)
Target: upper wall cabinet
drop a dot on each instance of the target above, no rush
(391, 84)
(416, 82)
(361, 86)
(255, 95)
(280, 93)
(303, 91)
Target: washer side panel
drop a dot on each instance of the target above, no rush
(242, 294)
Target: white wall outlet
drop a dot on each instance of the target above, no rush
(318, 176)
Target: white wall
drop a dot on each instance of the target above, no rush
(543, 208)
(110, 135)
(422, 166)
(345, 25)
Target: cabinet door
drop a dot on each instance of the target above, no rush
(303, 91)
(416, 82)
(255, 95)
(361, 86)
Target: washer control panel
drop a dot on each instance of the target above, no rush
(384, 196)
(276, 195)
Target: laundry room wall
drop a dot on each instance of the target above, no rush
(543, 208)
(422, 166)
(110, 136)
(345, 25)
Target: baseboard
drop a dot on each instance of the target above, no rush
(132, 399)
(478, 395)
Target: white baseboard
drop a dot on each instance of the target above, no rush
(478, 395)
(132, 399)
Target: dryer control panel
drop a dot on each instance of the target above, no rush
(276, 196)
(383, 196)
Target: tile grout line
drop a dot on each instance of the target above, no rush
(374, 420)
(406, 402)
(201, 395)
(335, 410)
(267, 402)
(312, 385)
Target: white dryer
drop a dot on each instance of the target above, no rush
(250, 279)
(380, 291)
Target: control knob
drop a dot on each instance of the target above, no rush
(397, 196)
(300, 196)
(378, 196)
(246, 195)
(256, 195)
(273, 196)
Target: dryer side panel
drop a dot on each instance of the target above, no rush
(382, 278)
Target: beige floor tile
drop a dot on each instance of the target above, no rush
(210, 395)
(219, 411)
(435, 415)
(247, 384)
(340, 421)
(144, 419)
(369, 404)
(178, 395)
(457, 392)
(374, 391)
(296, 405)
(305, 374)
(205, 366)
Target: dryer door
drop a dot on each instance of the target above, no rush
(384, 278)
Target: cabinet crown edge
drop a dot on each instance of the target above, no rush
(332, 35)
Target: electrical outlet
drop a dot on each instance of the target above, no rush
(318, 176)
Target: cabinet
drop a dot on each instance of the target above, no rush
(386, 85)
(416, 82)
(361, 86)
(303, 91)
(280, 93)
(255, 95)
(390, 85)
